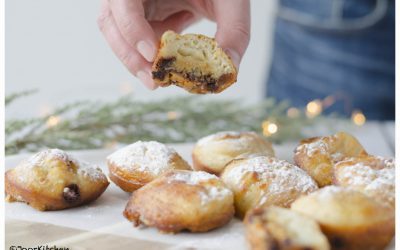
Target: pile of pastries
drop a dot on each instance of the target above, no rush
(334, 196)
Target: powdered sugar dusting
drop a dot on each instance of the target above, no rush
(338, 156)
(151, 156)
(329, 192)
(193, 177)
(317, 147)
(38, 158)
(281, 175)
(369, 177)
(38, 161)
(211, 191)
(89, 170)
(386, 161)
(219, 136)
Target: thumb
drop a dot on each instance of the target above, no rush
(233, 27)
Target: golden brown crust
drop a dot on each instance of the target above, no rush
(173, 203)
(212, 153)
(130, 168)
(318, 155)
(281, 228)
(53, 184)
(125, 180)
(194, 85)
(166, 67)
(199, 166)
(374, 176)
(350, 219)
(37, 200)
(259, 181)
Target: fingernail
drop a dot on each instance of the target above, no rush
(146, 79)
(146, 50)
(234, 57)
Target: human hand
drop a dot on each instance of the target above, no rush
(133, 28)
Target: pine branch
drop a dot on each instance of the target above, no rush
(89, 125)
(11, 98)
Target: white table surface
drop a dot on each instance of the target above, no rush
(105, 214)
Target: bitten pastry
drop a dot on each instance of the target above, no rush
(182, 200)
(213, 152)
(350, 219)
(265, 181)
(193, 62)
(135, 165)
(373, 176)
(283, 229)
(54, 180)
(318, 155)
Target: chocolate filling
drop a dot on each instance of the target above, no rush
(274, 245)
(163, 67)
(71, 193)
(337, 242)
(207, 82)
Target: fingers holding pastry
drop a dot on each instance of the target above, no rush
(134, 54)
(233, 27)
(193, 62)
(129, 16)
(176, 22)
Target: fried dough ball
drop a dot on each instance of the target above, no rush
(182, 200)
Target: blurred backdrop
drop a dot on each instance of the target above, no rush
(56, 47)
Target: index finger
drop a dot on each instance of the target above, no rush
(130, 18)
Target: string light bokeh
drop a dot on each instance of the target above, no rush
(358, 118)
(172, 115)
(269, 128)
(312, 110)
(53, 121)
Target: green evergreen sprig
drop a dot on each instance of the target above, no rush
(90, 125)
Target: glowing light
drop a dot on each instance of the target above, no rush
(358, 118)
(313, 108)
(293, 112)
(53, 121)
(172, 115)
(269, 128)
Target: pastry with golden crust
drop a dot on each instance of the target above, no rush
(54, 180)
(133, 166)
(317, 155)
(284, 229)
(213, 152)
(265, 181)
(182, 200)
(350, 219)
(193, 62)
(372, 175)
